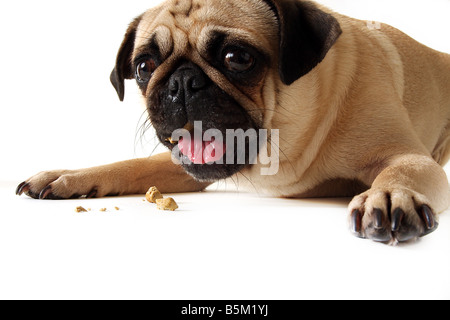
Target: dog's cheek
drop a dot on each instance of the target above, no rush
(154, 109)
(259, 93)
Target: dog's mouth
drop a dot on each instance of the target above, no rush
(202, 152)
(197, 151)
(214, 157)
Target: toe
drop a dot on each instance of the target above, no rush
(378, 227)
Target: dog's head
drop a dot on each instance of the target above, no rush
(219, 62)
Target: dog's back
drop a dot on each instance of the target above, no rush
(428, 106)
(419, 74)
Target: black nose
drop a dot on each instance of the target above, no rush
(186, 81)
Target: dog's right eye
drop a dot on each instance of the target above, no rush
(238, 60)
(144, 70)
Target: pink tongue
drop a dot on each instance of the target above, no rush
(202, 152)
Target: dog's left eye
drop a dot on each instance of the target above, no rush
(238, 60)
(144, 70)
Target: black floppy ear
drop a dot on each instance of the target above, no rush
(306, 35)
(123, 69)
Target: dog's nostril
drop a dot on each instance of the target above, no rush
(197, 83)
(173, 86)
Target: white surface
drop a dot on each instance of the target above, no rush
(219, 245)
(59, 111)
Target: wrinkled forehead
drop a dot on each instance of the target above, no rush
(178, 26)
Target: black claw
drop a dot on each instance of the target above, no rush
(21, 188)
(378, 218)
(427, 217)
(92, 194)
(356, 222)
(397, 218)
(430, 222)
(45, 193)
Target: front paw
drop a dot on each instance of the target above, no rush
(59, 184)
(391, 216)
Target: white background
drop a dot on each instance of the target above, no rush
(58, 110)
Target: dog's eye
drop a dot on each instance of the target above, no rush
(144, 70)
(238, 60)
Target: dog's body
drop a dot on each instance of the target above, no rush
(360, 109)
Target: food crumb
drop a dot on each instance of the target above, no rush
(103, 210)
(117, 208)
(168, 204)
(80, 209)
(153, 195)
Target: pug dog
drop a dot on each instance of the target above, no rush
(361, 110)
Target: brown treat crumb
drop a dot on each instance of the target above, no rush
(153, 195)
(117, 208)
(166, 204)
(80, 209)
(103, 210)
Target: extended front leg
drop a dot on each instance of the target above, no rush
(122, 178)
(404, 201)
